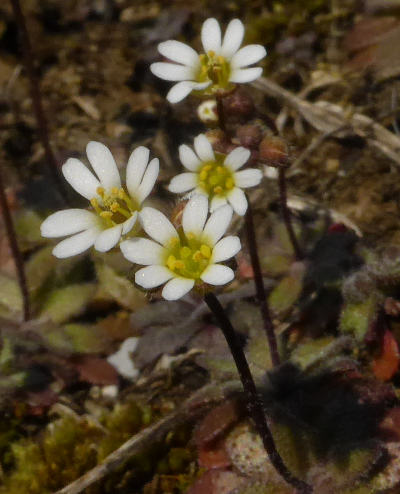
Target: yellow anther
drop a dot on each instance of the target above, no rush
(202, 184)
(206, 251)
(114, 207)
(106, 214)
(203, 174)
(185, 252)
(207, 168)
(114, 191)
(221, 59)
(100, 191)
(174, 241)
(218, 190)
(121, 194)
(220, 169)
(229, 183)
(197, 256)
(94, 202)
(211, 53)
(179, 264)
(171, 262)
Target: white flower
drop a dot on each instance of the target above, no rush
(220, 66)
(114, 207)
(189, 257)
(215, 175)
(207, 111)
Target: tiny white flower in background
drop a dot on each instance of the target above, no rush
(215, 175)
(183, 259)
(207, 111)
(114, 206)
(222, 64)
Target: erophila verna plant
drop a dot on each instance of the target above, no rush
(190, 255)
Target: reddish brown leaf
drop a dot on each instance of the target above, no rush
(96, 370)
(215, 457)
(386, 365)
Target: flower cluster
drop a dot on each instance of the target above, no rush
(191, 255)
(222, 64)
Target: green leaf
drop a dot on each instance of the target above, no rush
(10, 297)
(27, 227)
(288, 290)
(39, 267)
(67, 302)
(357, 317)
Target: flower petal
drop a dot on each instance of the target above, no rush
(188, 158)
(195, 214)
(142, 251)
(218, 223)
(217, 202)
(203, 148)
(211, 36)
(237, 158)
(179, 52)
(233, 38)
(183, 182)
(237, 199)
(76, 244)
(245, 75)
(157, 225)
(172, 71)
(226, 248)
(248, 178)
(149, 179)
(80, 178)
(177, 288)
(67, 222)
(179, 91)
(135, 169)
(129, 223)
(152, 276)
(108, 238)
(103, 164)
(216, 274)
(247, 56)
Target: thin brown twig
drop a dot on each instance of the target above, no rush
(18, 260)
(37, 104)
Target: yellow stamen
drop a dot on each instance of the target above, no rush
(206, 251)
(100, 191)
(114, 207)
(203, 174)
(207, 168)
(114, 191)
(185, 252)
(229, 183)
(179, 264)
(211, 53)
(174, 241)
(218, 190)
(106, 214)
(213, 180)
(190, 236)
(171, 262)
(197, 256)
(220, 169)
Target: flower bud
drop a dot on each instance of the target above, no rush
(249, 135)
(207, 112)
(238, 106)
(273, 151)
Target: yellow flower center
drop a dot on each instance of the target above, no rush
(215, 179)
(188, 256)
(215, 68)
(115, 207)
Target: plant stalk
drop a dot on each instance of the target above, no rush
(37, 104)
(16, 253)
(286, 214)
(260, 289)
(253, 400)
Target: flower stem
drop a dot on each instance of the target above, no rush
(253, 400)
(12, 238)
(260, 290)
(38, 110)
(286, 214)
(220, 111)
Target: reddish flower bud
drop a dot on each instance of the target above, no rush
(249, 135)
(273, 151)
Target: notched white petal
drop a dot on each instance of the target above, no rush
(216, 274)
(172, 71)
(129, 223)
(142, 251)
(179, 52)
(76, 244)
(245, 75)
(67, 222)
(149, 179)
(226, 248)
(188, 158)
(108, 238)
(179, 92)
(80, 178)
(233, 38)
(103, 164)
(183, 183)
(248, 178)
(217, 202)
(177, 288)
(247, 56)
(237, 199)
(135, 169)
(152, 276)
(217, 224)
(237, 158)
(195, 214)
(157, 225)
(203, 148)
(211, 36)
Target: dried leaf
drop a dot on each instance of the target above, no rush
(385, 366)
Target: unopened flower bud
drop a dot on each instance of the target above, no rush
(238, 106)
(249, 135)
(273, 151)
(207, 112)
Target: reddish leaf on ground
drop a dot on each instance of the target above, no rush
(386, 365)
(214, 456)
(216, 482)
(95, 370)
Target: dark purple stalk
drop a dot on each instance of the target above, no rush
(40, 116)
(286, 214)
(260, 289)
(220, 112)
(254, 403)
(18, 260)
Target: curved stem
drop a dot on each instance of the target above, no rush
(38, 110)
(253, 400)
(18, 260)
(286, 214)
(260, 290)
